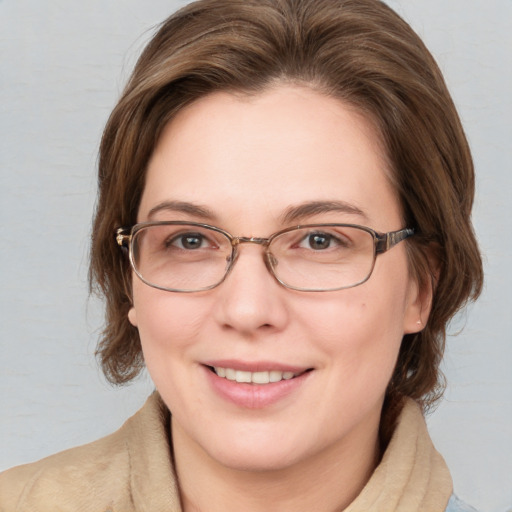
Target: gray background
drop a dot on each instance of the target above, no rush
(63, 64)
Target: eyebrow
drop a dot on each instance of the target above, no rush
(311, 208)
(290, 215)
(183, 207)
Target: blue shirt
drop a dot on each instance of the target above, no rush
(457, 505)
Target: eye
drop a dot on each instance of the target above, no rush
(319, 241)
(188, 241)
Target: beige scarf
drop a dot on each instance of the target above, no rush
(131, 471)
(412, 475)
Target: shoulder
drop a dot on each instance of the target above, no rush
(65, 476)
(95, 476)
(457, 505)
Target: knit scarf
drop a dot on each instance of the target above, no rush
(412, 476)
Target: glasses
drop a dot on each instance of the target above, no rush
(190, 257)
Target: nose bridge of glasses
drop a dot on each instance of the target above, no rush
(250, 240)
(269, 258)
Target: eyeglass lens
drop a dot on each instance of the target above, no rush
(192, 258)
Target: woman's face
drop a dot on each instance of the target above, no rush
(241, 163)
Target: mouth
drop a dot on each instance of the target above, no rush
(255, 384)
(259, 377)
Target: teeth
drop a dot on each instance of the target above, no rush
(260, 378)
(275, 376)
(253, 377)
(243, 376)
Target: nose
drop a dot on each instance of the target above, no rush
(250, 300)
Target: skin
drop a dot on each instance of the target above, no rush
(246, 161)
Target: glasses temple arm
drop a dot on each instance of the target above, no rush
(388, 240)
(123, 237)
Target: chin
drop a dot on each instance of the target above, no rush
(256, 461)
(264, 450)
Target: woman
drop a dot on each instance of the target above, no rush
(282, 234)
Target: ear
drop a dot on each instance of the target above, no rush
(419, 303)
(132, 316)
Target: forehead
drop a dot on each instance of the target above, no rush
(267, 152)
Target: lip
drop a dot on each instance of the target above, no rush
(255, 396)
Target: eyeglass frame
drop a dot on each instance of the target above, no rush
(383, 242)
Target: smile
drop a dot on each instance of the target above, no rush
(255, 384)
(263, 377)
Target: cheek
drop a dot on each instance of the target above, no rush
(356, 339)
(359, 329)
(169, 327)
(167, 322)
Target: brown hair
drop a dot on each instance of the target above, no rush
(358, 51)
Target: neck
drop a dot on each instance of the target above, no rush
(325, 482)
